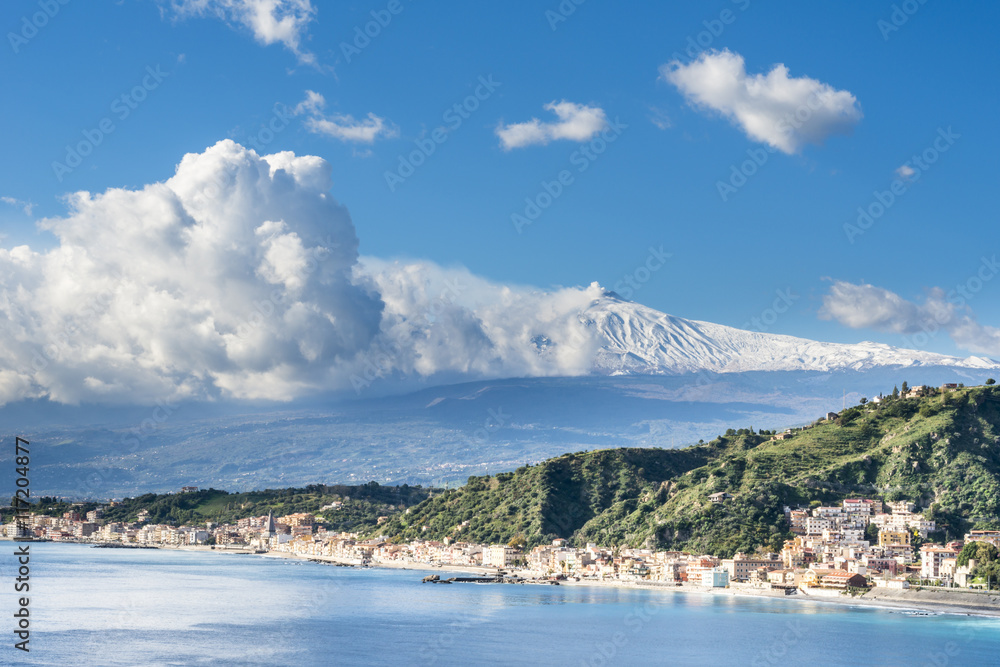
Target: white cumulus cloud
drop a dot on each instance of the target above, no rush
(776, 109)
(577, 122)
(342, 126)
(232, 278)
(270, 21)
(864, 306)
(239, 278)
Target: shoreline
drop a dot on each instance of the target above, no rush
(922, 601)
(897, 601)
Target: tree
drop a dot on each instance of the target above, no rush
(905, 388)
(863, 400)
(991, 381)
(895, 391)
(983, 553)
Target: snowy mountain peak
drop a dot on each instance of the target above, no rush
(639, 340)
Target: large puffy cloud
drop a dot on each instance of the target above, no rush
(577, 122)
(864, 306)
(776, 109)
(270, 21)
(239, 278)
(234, 277)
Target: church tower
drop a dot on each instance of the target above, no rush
(267, 531)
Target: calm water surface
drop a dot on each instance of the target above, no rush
(145, 607)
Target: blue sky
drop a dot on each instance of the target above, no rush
(657, 184)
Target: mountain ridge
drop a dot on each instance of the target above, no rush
(640, 340)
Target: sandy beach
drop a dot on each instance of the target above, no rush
(932, 601)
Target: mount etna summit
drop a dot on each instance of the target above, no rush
(655, 380)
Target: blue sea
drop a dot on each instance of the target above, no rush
(151, 607)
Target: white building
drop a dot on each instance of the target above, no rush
(499, 555)
(931, 558)
(816, 525)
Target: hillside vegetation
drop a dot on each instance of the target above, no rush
(940, 450)
(360, 505)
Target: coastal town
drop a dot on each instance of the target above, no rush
(857, 545)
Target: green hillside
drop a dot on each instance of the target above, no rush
(939, 450)
(360, 505)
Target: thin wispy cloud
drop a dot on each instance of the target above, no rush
(343, 127)
(906, 172)
(660, 119)
(271, 21)
(25, 206)
(779, 110)
(576, 122)
(865, 306)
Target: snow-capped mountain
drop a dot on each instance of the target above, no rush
(649, 380)
(637, 340)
